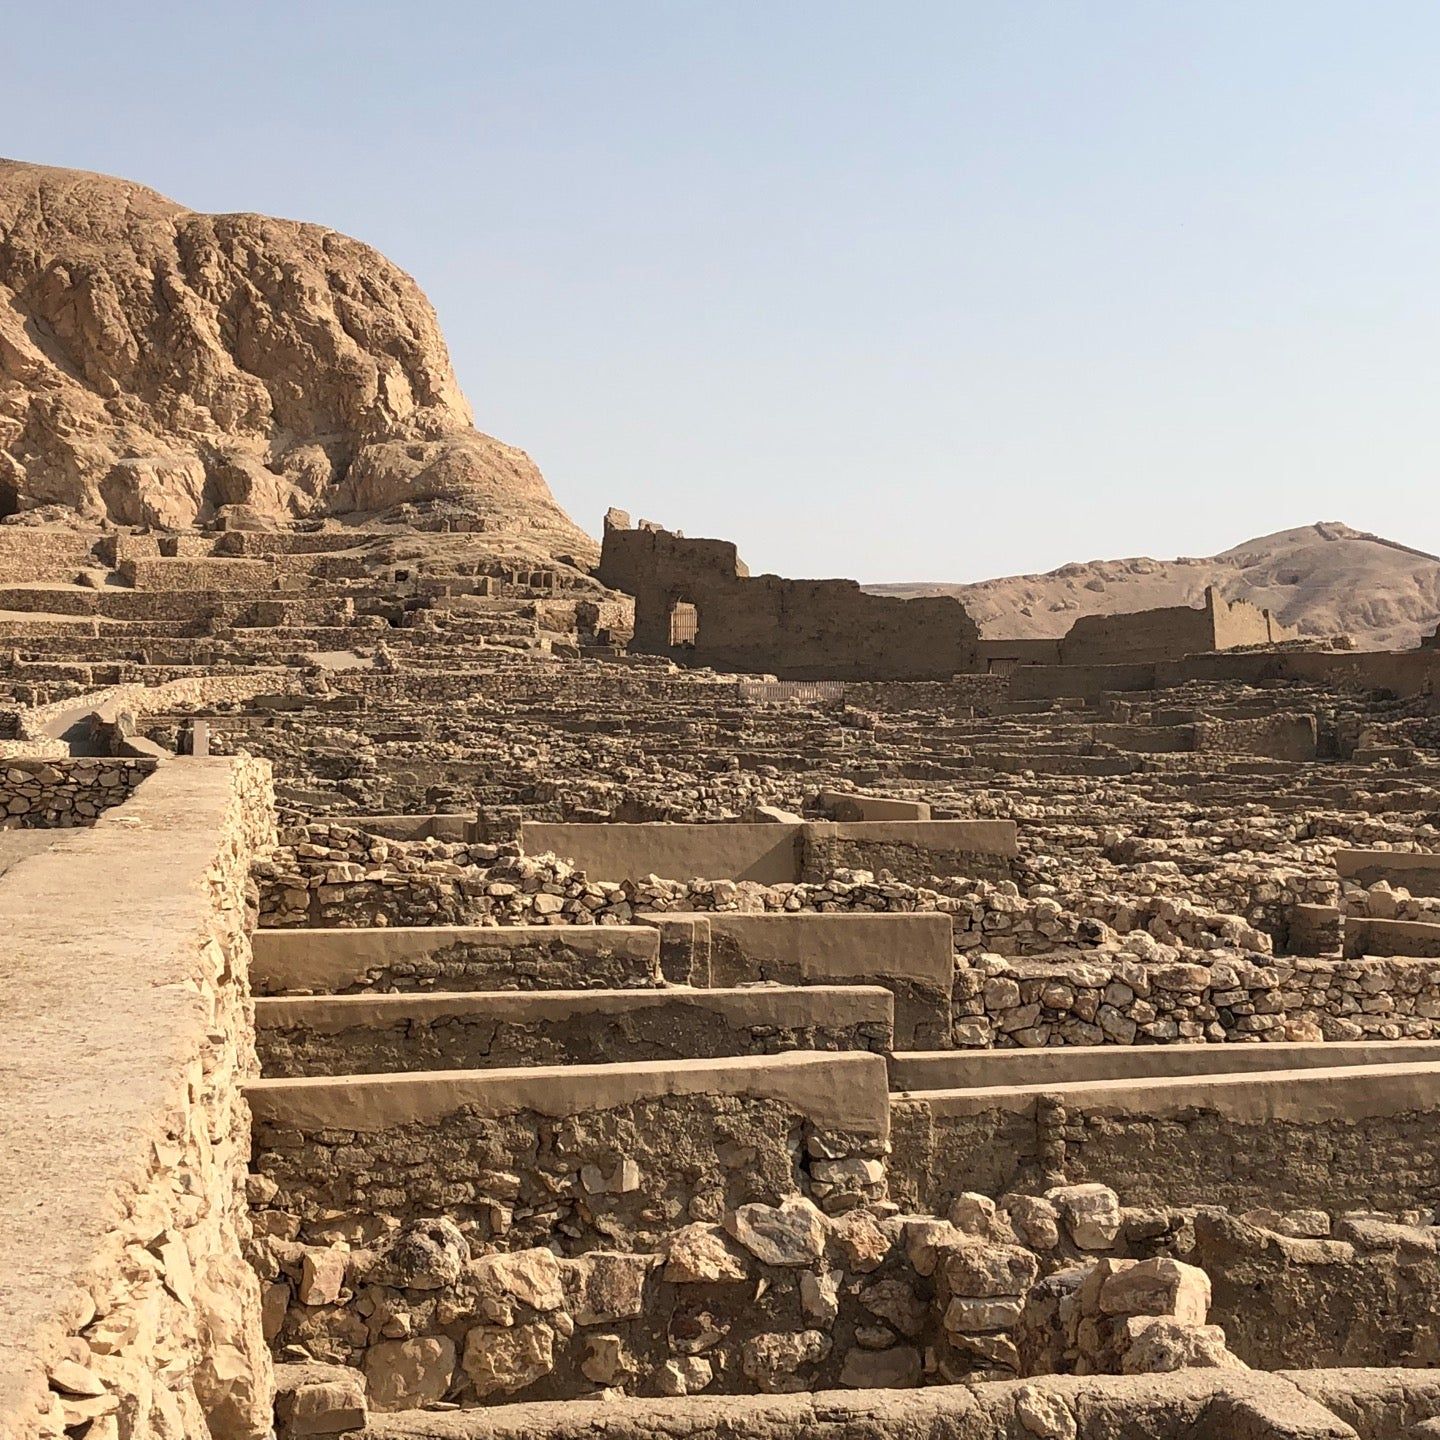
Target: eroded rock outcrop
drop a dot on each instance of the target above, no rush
(156, 364)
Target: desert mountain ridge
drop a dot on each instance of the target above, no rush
(1323, 579)
(158, 364)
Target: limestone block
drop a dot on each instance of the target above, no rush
(1158, 1287)
(684, 1375)
(1091, 1213)
(791, 1233)
(605, 1286)
(507, 1358)
(701, 1254)
(773, 1361)
(605, 1360)
(409, 1374)
(322, 1275)
(531, 1276)
(1155, 1344)
(424, 1255)
(316, 1399)
(978, 1269)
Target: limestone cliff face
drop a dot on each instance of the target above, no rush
(156, 363)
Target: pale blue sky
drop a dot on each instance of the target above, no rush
(897, 291)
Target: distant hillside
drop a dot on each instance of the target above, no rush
(1324, 579)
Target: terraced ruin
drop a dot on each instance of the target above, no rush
(443, 1015)
(466, 983)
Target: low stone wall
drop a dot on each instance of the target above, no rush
(362, 1034)
(463, 958)
(1334, 1139)
(1312, 1289)
(582, 1156)
(1417, 872)
(768, 1296)
(1278, 737)
(1112, 997)
(910, 955)
(911, 850)
(126, 951)
(197, 572)
(61, 793)
(46, 723)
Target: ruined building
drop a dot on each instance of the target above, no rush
(697, 604)
(424, 1017)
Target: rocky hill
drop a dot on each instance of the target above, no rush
(1323, 579)
(157, 364)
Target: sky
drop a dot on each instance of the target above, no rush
(898, 291)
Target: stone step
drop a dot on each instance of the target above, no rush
(451, 958)
(1415, 871)
(353, 1034)
(1416, 939)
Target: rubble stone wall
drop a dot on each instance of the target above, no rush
(589, 1169)
(1333, 1139)
(1099, 999)
(44, 793)
(134, 1306)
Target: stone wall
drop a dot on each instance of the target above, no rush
(766, 1295)
(47, 723)
(127, 1299)
(44, 793)
(1118, 998)
(575, 1156)
(1280, 737)
(1244, 1140)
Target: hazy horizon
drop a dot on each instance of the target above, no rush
(930, 295)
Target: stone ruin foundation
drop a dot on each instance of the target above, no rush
(426, 1018)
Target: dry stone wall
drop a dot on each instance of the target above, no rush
(38, 794)
(773, 1296)
(135, 1311)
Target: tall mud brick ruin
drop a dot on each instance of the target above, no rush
(461, 982)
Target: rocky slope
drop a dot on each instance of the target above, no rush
(1324, 579)
(156, 364)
